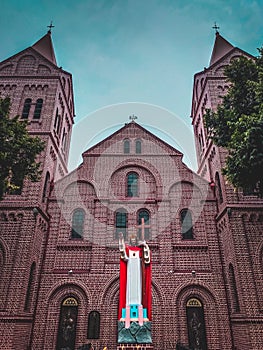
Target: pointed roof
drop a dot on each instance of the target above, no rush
(220, 49)
(45, 47)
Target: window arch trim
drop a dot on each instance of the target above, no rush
(70, 301)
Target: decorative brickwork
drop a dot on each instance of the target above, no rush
(135, 347)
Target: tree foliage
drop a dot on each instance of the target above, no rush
(237, 124)
(18, 151)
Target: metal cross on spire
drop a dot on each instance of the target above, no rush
(216, 27)
(133, 117)
(50, 26)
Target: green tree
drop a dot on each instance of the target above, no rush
(18, 151)
(237, 124)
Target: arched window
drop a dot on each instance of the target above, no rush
(94, 325)
(138, 147)
(46, 188)
(77, 223)
(64, 140)
(126, 146)
(196, 324)
(67, 324)
(186, 224)
(57, 122)
(143, 214)
(202, 138)
(26, 108)
(38, 108)
(197, 87)
(132, 184)
(69, 90)
(218, 188)
(121, 222)
(30, 286)
(233, 289)
(201, 142)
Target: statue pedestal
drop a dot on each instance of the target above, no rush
(135, 335)
(135, 347)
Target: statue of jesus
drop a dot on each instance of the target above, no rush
(135, 281)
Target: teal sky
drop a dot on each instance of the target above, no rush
(123, 51)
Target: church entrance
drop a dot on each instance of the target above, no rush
(67, 324)
(196, 325)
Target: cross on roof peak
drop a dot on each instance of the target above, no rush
(50, 27)
(216, 27)
(133, 117)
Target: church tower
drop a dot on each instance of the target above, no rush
(239, 216)
(41, 93)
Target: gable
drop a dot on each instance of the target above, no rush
(27, 62)
(132, 133)
(225, 59)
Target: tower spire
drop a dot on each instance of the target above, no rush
(221, 47)
(45, 46)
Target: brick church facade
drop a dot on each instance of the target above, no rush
(59, 257)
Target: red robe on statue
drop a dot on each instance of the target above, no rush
(146, 283)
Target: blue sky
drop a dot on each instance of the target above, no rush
(131, 57)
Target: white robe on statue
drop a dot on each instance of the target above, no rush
(134, 279)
